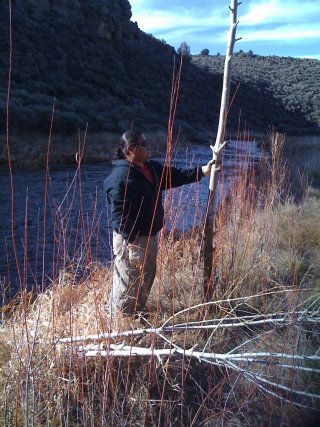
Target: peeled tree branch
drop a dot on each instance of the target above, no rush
(209, 249)
(171, 325)
(212, 324)
(268, 371)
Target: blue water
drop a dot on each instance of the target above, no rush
(76, 230)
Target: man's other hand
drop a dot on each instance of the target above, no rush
(206, 169)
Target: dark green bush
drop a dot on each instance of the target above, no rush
(204, 52)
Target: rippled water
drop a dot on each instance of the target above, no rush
(73, 229)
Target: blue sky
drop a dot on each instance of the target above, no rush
(267, 27)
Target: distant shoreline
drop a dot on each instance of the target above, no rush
(30, 153)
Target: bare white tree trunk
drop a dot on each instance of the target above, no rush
(209, 233)
(268, 370)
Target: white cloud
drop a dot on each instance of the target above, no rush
(154, 20)
(287, 33)
(250, 12)
(162, 20)
(309, 56)
(279, 11)
(270, 24)
(138, 4)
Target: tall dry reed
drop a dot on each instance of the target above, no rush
(268, 251)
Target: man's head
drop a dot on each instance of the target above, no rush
(134, 147)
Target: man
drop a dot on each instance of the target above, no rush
(134, 192)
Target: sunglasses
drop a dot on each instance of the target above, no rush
(141, 144)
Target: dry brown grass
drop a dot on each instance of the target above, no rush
(268, 253)
(29, 152)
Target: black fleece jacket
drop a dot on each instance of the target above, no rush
(136, 203)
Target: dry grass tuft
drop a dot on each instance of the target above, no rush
(267, 264)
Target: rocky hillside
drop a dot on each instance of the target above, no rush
(104, 71)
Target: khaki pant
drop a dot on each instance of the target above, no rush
(131, 285)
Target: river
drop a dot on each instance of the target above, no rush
(67, 225)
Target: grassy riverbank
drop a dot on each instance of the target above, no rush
(267, 257)
(29, 152)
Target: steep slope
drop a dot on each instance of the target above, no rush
(288, 89)
(104, 71)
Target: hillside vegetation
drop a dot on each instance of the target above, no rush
(282, 91)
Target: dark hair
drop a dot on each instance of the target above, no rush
(130, 137)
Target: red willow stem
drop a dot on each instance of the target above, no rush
(8, 146)
(46, 196)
